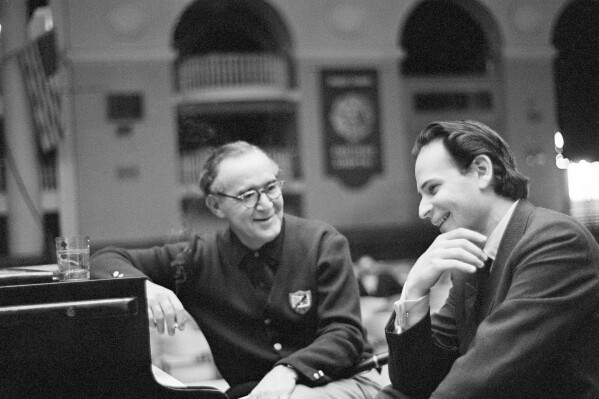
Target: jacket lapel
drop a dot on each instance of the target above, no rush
(513, 234)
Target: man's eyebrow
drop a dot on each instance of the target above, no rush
(423, 186)
(427, 183)
(255, 188)
(242, 191)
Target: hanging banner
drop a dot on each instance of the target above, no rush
(40, 65)
(352, 138)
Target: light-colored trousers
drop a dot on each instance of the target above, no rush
(357, 387)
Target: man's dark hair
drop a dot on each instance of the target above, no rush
(465, 140)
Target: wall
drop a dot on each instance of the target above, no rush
(125, 45)
(127, 183)
(366, 39)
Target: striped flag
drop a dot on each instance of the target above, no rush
(38, 64)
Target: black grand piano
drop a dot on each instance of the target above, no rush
(84, 339)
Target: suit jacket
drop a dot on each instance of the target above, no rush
(539, 333)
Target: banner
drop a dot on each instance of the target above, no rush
(38, 63)
(352, 138)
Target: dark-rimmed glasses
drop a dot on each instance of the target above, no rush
(250, 198)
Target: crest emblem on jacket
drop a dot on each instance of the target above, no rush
(300, 301)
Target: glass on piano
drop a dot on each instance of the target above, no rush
(72, 253)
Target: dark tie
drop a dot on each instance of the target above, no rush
(486, 269)
(482, 293)
(261, 275)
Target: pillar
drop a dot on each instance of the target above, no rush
(23, 186)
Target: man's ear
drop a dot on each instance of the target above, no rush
(483, 167)
(214, 205)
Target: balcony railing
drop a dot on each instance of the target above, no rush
(232, 70)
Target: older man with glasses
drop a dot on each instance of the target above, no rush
(274, 294)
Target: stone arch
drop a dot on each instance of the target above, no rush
(231, 25)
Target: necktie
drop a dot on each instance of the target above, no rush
(260, 274)
(485, 271)
(482, 294)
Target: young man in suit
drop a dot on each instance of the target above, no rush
(522, 317)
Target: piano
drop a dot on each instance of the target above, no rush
(80, 339)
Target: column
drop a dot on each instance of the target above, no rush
(68, 205)
(25, 220)
(532, 122)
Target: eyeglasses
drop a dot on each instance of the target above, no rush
(251, 198)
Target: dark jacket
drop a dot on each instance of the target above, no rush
(539, 334)
(322, 338)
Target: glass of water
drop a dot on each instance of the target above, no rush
(72, 254)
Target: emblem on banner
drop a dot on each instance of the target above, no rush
(351, 118)
(300, 301)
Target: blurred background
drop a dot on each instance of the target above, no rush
(109, 108)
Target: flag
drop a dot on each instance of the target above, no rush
(39, 67)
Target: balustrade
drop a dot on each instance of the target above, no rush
(231, 69)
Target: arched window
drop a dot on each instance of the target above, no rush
(450, 68)
(234, 75)
(442, 38)
(232, 42)
(230, 26)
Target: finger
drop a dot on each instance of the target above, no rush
(443, 260)
(460, 248)
(175, 316)
(181, 319)
(151, 321)
(170, 320)
(451, 265)
(158, 317)
(470, 235)
(474, 257)
(464, 267)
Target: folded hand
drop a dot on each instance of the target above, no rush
(457, 250)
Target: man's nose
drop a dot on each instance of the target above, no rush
(424, 209)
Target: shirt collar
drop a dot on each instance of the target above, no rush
(271, 251)
(494, 239)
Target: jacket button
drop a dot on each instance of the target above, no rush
(278, 346)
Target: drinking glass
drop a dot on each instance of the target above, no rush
(72, 253)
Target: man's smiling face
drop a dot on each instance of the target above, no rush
(449, 197)
(253, 170)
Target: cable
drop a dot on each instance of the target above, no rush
(22, 188)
